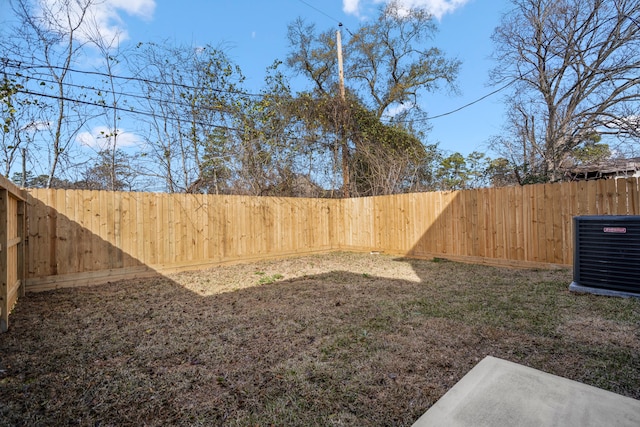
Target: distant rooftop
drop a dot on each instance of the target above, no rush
(615, 168)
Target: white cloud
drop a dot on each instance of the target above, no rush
(397, 109)
(104, 19)
(350, 6)
(438, 8)
(100, 138)
(141, 8)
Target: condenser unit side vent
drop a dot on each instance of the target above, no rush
(607, 255)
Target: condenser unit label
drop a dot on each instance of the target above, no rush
(621, 230)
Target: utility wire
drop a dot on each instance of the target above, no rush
(319, 11)
(130, 95)
(20, 65)
(325, 14)
(482, 98)
(177, 103)
(112, 107)
(7, 62)
(448, 113)
(133, 111)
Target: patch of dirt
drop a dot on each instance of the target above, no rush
(337, 339)
(230, 278)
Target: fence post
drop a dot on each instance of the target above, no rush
(4, 279)
(22, 235)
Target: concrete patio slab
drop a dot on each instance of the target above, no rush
(497, 392)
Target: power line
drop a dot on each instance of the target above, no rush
(482, 98)
(448, 113)
(427, 118)
(112, 107)
(7, 62)
(501, 88)
(320, 11)
(133, 111)
(325, 14)
(148, 98)
(131, 95)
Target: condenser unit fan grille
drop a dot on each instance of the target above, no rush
(607, 252)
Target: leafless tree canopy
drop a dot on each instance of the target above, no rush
(52, 36)
(576, 68)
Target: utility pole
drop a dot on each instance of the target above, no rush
(340, 67)
(344, 146)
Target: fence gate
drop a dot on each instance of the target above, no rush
(12, 232)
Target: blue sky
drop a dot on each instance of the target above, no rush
(254, 35)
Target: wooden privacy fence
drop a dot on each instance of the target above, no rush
(522, 226)
(12, 231)
(78, 237)
(83, 237)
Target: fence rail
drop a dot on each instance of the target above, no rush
(12, 232)
(80, 237)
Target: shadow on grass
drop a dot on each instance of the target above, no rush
(333, 348)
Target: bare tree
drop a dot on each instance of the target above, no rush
(391, 62)
(576, 68)
(108, 47)
(109, 171)
(49, 36)
(190, 94)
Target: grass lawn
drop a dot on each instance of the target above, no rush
(339, 339)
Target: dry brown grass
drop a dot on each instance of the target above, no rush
(340, 339)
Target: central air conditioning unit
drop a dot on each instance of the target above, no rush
(606, 257)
